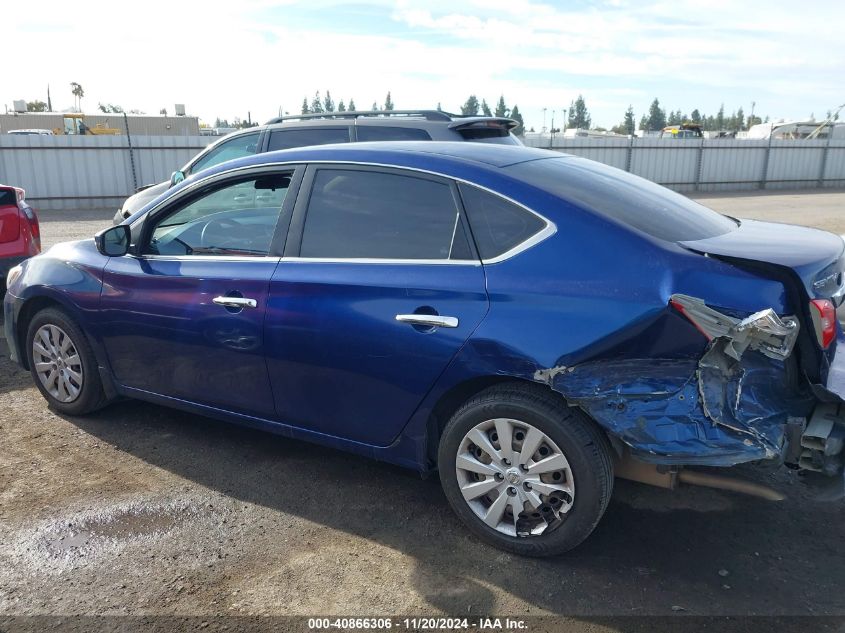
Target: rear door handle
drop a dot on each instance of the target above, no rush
(235, 302)
(429, 320)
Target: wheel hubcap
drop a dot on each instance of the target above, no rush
(57, 363)
(514, 477)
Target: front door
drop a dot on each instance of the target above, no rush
(184, 316)
(378, 290)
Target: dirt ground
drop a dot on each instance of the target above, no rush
(145, 511)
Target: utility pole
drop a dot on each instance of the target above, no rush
(753, 103)
(544, 120)
(552, 137)
(564, 120)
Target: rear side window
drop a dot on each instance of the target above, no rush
(286, 139)
(628, 199)
(378, 215)
(497, 224)
(8, 197)
(386, 133)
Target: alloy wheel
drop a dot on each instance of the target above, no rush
(57, 363)
(514, 477)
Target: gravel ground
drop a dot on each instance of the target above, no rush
(147, 511)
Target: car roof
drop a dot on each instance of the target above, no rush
(400, 154)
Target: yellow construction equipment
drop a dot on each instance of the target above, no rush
(74, 125)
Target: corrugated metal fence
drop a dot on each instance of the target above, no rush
(717, 164)
(62, 172)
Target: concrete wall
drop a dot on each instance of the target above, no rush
(62, 172)
(138, 124)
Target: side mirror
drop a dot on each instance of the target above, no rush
(114, 241)
(176, 177)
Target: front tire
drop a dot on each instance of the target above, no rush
(62, 363)
(525, 472)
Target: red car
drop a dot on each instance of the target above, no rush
(20, 235)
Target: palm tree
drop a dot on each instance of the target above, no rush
(78, 93)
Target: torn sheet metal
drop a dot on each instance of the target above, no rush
(763, 331)
(729, 406)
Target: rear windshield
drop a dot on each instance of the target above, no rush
(628, 199)
(8, 197)
(497, 135)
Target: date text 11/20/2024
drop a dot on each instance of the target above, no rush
(417, 624)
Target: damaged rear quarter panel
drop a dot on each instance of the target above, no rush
(601, 332)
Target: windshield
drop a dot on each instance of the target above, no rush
(626, 198)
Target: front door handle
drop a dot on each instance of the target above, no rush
(235, 302)
(428, 320)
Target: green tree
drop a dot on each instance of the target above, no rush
(341, 107)
(77, 92)
(579, 116)
(328, 103)
(471, 106)
(519, 130)
(501, 108)
(674, 118)
(109, 108)
(630, 124)
(163, 112)
(656, 119)
(374, 108)
(36, 106)
(305, 108)
(388, 102)
(740, 119)
(695, 117)
(317, 104)
(351, 105)
(485, 109)
(439, 109)
(720, 118)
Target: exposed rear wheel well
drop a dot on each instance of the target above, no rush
(29, 310)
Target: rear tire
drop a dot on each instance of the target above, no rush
(62, 363)
(549, 495)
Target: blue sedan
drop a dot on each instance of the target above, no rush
(527, 323)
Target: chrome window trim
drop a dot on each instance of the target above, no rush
(207, 258)
(374, 260)
(546, 232)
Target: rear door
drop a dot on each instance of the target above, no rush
(378, 290)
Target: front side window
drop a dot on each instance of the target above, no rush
(237, 218)
(287, 139)
(377, 215)
(237, 147)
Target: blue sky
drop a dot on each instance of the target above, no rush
(226, 59)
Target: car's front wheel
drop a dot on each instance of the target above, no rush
(62, 363)
(525, 472)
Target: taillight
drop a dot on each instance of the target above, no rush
(824, 321)
(29, 212)
(10, 224)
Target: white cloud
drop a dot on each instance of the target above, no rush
(224, 59)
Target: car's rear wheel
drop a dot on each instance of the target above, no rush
(62, 363)
(525, 472)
